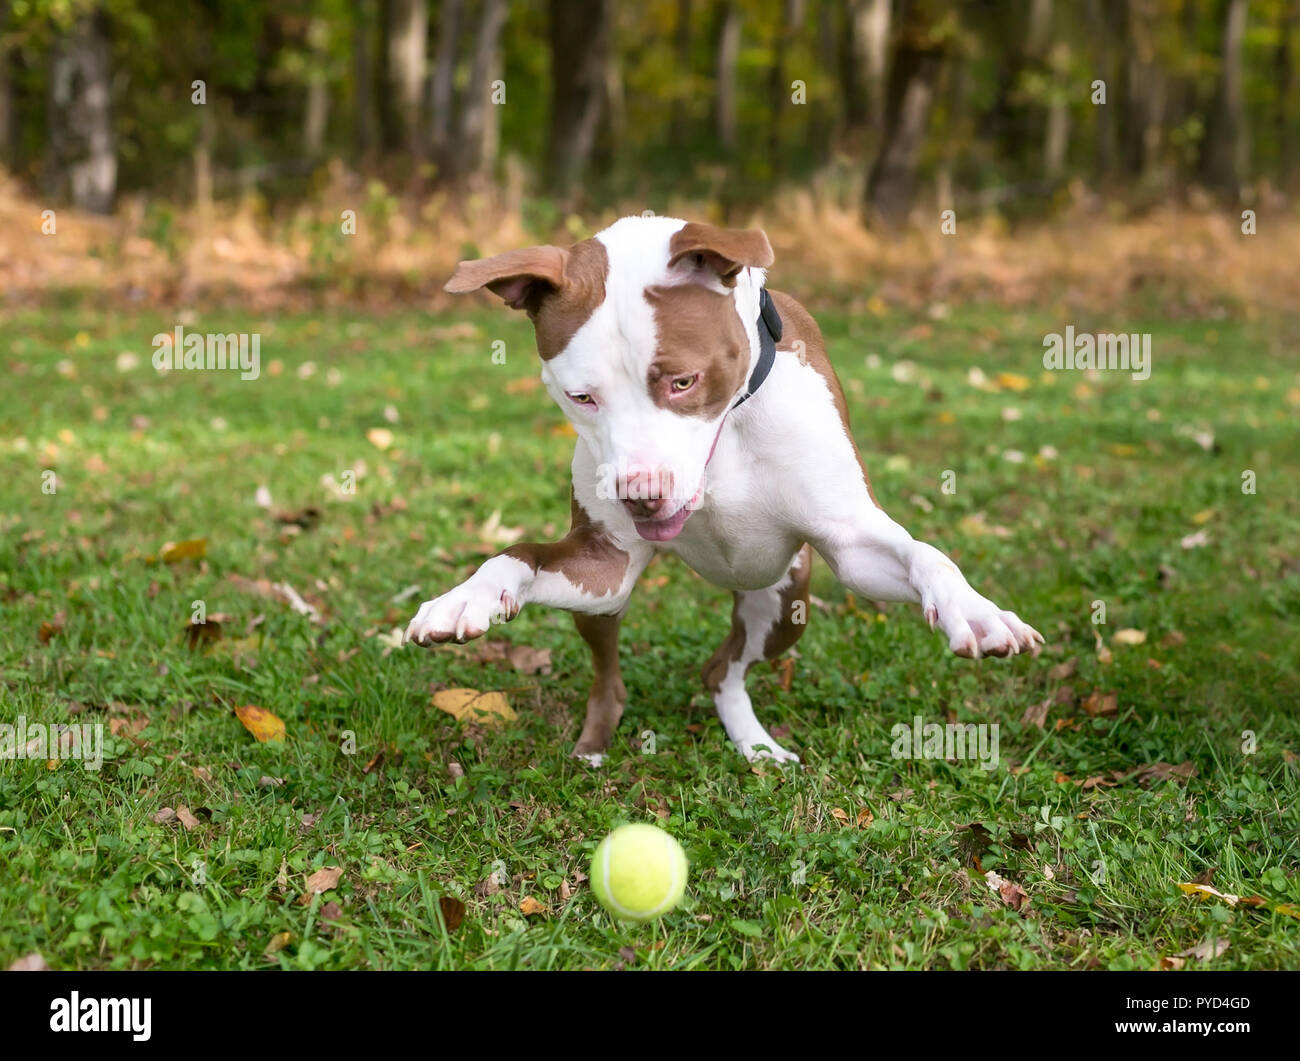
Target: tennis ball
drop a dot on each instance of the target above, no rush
(638, 872)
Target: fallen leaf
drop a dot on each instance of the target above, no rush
(1099, 704)
(379, 437)
(1064, 670)
(1205, 951)
(1173, 639)
(1129, 637)
(462, 704)
(1204, 890)
(324, 880)
(1009, 891)
(530, 907)
(162, 816)
(190, 549)
(1036, 714)
(331, 911)
(29, 963)
(186, 818)
(277, 943)
(261, 723)
(453, 911)
(51, 627)
(1194, 541)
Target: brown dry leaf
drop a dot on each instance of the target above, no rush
(840, 815)
(331, 911)
(1099, 704)
(186, 818)
(785, 668)
(1171, 963)
(488, 708)
(202, 773)
(1173, 639)
(1008, 891)
(453, 911)
(162, 816)
(260, 723)
(1162, 771)
(324, 880)
(190, 549)
(1096, 782)
(523, 658)
(29, 963)
(1036, 714)
(205, 633)
(1129, 636)
(1205, 951)
(530, 907)
(51, 627)
(277, 943)
(865, 818)
(127, 727)
(1064, 670)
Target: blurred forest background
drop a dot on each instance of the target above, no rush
(222, 141)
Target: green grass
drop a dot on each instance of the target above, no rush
(780, 879)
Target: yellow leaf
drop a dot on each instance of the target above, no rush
(530, 907)
(190, 549)
(1130, 637)
(1204, 890)
(945, 417)
(1204, 516)
(1289, 909)
(462, 704)
(260, 723)
(1012, 381)
(380, 437)
(278, 942)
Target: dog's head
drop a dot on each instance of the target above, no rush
(646, 332)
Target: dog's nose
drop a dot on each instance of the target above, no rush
(646, 489)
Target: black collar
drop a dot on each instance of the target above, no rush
(769, 331)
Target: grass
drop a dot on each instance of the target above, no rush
(854, 860)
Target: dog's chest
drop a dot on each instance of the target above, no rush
(740, 537)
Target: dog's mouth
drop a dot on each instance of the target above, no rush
(666, 528)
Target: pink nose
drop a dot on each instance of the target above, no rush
(647, 490)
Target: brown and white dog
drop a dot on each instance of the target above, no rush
(710, 425)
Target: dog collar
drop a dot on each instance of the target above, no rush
(769, 331)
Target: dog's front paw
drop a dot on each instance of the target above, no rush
(765, 748)
(460, 615)
(977, 627)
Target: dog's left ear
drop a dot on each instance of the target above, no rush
(519, 277)
(721, 251)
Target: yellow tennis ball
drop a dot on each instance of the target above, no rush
(638, 872)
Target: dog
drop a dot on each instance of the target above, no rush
(711, 425)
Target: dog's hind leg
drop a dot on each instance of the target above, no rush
(764, 623)
(608, 694)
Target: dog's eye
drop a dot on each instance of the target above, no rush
(582, 399)
(684, 383)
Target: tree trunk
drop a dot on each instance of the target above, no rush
(579, 32)
(1286, 86)
(363, 101)
(866, 56)
(917, 62)
(682, 87)
(6, 97)
(408, 25)
(442, 85)
(316, 113)
(1223, 163)
(477, 139)
(82, 145)
(727, 52)
(778, 89)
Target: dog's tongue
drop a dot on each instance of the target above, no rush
(664, 530)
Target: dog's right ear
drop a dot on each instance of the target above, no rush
(519, 277)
